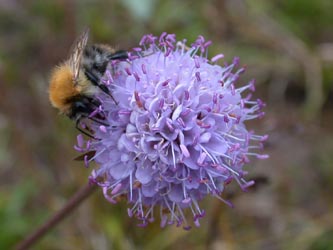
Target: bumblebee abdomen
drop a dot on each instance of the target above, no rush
(62, 88)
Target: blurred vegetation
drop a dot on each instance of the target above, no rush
(287, 46)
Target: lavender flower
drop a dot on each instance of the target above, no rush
(177, 133)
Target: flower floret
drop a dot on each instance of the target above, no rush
(177, 133)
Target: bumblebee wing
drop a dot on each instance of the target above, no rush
(76, 54)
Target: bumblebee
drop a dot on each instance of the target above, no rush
(74, 83)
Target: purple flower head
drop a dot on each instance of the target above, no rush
(176, 133)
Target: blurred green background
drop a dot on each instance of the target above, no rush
(287, 46)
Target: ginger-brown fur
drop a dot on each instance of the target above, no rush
(62, 88)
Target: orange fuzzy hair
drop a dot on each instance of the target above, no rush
(62, 88)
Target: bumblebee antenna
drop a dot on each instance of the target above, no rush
(118, 55)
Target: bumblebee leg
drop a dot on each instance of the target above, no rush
(93, 78)
(98, 121)
(96, 81)
(118, 55)
(82, 131)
